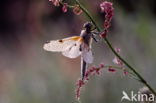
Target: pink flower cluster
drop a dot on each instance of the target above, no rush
(55, 2)
(116, 60)
(108, 9)
(65, 7)
(110, 69)
(76, 9)
(90, 72)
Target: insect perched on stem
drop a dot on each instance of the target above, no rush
(75, 46)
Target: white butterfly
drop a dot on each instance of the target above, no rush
(75, 46)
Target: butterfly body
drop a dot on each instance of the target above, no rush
(75, 46)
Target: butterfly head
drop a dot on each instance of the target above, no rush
(88, 26)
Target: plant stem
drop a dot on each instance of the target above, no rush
(113, 50)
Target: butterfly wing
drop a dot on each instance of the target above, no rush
(70, 47)
(73, 50)
(87, 53)
(87, 56)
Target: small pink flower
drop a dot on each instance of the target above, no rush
(101, 65)
(103, 34)
(55, 2)
(118, 50)
(65, 7)
(77, 10)
(80, 83)
(98, 71)
(125, 73)
(110, 69)
(117, 60)
(106, 6)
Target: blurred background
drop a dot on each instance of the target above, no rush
(28, 74)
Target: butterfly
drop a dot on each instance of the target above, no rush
(75, 46)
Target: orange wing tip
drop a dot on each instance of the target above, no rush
(77, 38)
